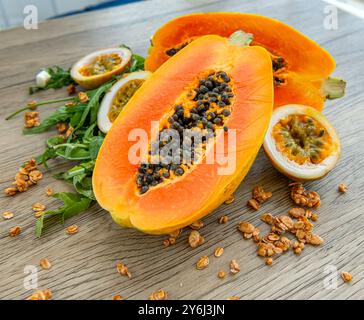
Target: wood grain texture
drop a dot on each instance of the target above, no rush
(84, 265)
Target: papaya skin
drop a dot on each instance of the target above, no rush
(172, 206)
(307, 65)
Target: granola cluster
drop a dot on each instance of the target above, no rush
(259, 196)
(27, 176)
(41, 295)
(303, 197)
(31, 119)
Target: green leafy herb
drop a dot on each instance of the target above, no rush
(73, 204)
(59, 78)
(81, 147)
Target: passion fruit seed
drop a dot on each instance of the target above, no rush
(302, 139)
(206, 109)
(123, 96)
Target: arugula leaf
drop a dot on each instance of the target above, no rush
(73, 204)
(59, 78)
(94, 146)
(137, 63)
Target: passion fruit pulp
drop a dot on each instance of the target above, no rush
(118, 96)
(301, 143)
(100, 66)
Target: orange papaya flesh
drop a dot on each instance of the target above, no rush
(187, 196)
(301, 67)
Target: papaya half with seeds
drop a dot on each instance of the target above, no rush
(213, 87)
(301, 68)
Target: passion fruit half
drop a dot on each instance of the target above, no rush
(301, 143)
(118, 96)
(100, 66)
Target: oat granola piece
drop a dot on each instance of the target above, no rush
(268, 261)
(254, 204)
(260, 195)
(123, 270)
(71, 89)
(62, 127)
(230, 200)
(158, 295)
(234, 267)
(342, 187)
(45, 264)
(202, 263)
(221, 274)
(346, 276)
(195, 239)
(49, 191)
(175, 234)
(197, 225)
(7, 215)
(234, 298)
(14, 231)
(117, 297)
(218, 252)
(72, 229)
(11, 191)
(41, 295)
(38, 206)
(246, 227)
(83, 97)
(223, 219)
(303, 197)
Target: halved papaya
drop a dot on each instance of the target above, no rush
(212, 86)
(301, 68)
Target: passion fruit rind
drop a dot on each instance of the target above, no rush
(98, 67)
(301, 143)
(118, 96)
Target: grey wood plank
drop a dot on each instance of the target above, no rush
(84, 264)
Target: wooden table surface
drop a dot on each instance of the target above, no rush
(84, 265)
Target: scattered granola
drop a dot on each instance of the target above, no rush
(197, 225)
(342, 188)
(158, 295)
(14, 231)
(26, 176)
(195, 239)
(234, 298)
(72, 229)
(268, 261)
(175, 234)
(123, 270)
(346, 276)
(31, 119)
(83, 97)
(41, 295)
(7, 215)
(230, 200)
(202, 263)
(223, 219)
(234, 267)
(221, 274)
(303, 197)
(38, 206)
(218, 252)
(117, 297)
(45, 264)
